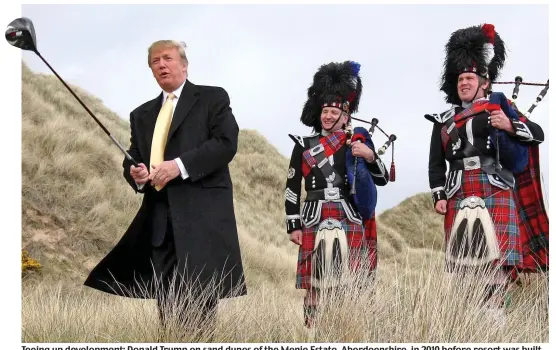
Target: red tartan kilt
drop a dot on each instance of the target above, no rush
(502, 208)
(354, 235)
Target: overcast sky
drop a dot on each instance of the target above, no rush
(265, 57)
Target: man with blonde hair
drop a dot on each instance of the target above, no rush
(183, 242)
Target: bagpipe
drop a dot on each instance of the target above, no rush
(513, 155)
(518, 82)
(362, 186)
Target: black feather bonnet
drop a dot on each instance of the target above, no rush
(477, 49)
(334, 85)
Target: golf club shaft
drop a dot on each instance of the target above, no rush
(90, 113)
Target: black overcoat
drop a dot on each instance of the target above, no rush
(204, 135)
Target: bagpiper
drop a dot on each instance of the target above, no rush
(335, 227)
(490, 153)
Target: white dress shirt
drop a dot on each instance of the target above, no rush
(177, 93)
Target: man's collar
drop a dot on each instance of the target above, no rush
(176, 93)
(469, 104)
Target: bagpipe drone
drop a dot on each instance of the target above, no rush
(518, 82)
(362, 186)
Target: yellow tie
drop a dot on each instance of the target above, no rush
(160, 135)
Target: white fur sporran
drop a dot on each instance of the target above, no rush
(330, 257)
(473, 240)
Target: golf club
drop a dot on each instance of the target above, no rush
(21, 34)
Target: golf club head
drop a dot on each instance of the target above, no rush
(21, 34)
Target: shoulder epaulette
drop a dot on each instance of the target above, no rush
(442, 117)
(301, 140)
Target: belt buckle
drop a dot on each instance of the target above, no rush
(471, 163)
(331, 193)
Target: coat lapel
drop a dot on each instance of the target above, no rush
(188, 97)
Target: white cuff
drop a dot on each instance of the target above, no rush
(437, 189)
(184, 174)
(380, 166)
(522, 130)
(140, 187)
